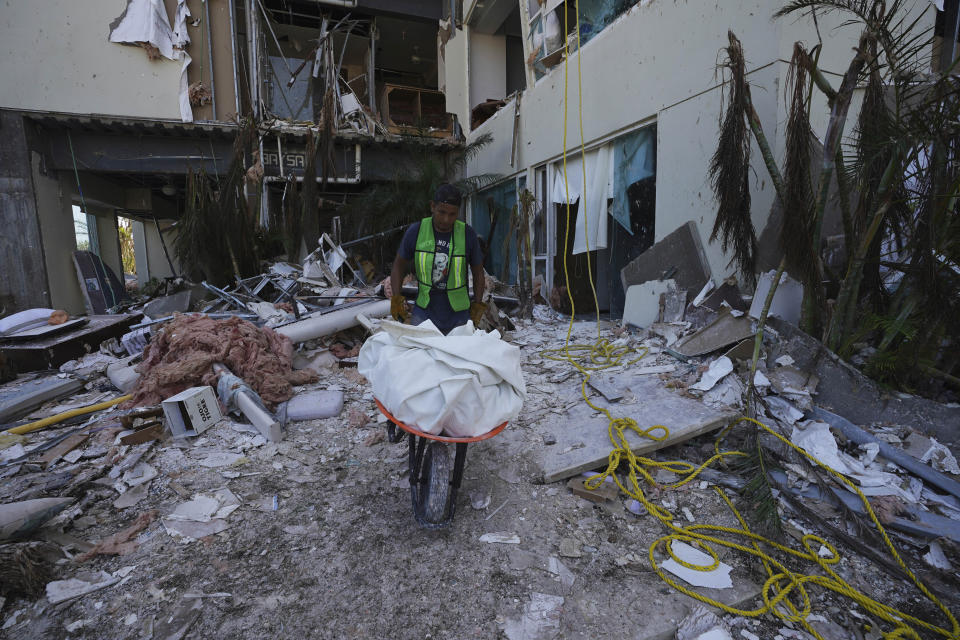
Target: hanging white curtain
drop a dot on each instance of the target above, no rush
(592, 200)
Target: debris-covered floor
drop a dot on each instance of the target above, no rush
(227, 534)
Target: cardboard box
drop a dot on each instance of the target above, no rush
(191, 412)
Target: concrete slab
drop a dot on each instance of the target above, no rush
(582, 441)
(679, 256)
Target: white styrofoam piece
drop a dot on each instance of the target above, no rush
(642, 305)
(787, 301)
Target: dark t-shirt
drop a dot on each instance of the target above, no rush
(439, 309)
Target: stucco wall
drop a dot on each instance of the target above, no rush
(658, 63)
(55, 56)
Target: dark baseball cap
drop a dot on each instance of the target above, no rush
(447, 194)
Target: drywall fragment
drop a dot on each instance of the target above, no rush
(936, 558)
(717, 578)
(718, 369)
(642, 305)
(782, 410)
(62, 590)
(787, 300)
(500, 537)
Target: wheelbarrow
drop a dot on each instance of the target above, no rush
(433, 484)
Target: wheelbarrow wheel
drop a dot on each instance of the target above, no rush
(435, 482)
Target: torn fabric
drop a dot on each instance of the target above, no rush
(145, 21)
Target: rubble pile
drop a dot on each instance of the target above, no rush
(199, 505)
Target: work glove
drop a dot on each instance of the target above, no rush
(398, 308)
(477, 309)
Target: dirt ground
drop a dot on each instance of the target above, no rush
(324, 545)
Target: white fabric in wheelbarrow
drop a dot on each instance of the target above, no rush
(462, 385)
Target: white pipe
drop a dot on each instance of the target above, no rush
(328, 323)
(265, 423)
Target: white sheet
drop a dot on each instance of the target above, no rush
(463, 384)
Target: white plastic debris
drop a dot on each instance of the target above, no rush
(500, 537)
(936, 558)
(718, 369)
(717, 578)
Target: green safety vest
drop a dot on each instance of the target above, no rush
(457, 273)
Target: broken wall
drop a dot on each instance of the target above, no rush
(56, 57)
(55, 214)
(488, 67)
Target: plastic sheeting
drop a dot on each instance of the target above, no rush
(463, 384)
(634, 159)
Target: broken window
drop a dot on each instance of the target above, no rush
(595, 15)
(553, 27)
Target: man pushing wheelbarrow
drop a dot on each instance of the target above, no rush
(444, 387)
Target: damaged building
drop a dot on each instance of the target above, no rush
(109, 108)
(692, 372)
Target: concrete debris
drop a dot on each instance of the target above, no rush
(642, 306)
(680, 252)
(700, 624)
(539, 620)
(723, 331)
(256, 506)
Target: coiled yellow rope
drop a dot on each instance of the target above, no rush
(785, 592)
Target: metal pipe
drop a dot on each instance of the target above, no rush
(233, 54)
(213, 90)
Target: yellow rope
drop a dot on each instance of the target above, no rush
(60, 417)
(782, 583)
